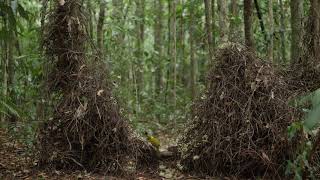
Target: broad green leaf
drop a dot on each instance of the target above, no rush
(312, 118)
(315, 99)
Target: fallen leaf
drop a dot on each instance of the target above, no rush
(99, 93)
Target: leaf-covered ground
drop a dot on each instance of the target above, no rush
(16, 163)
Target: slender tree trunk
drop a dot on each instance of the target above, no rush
(282, 32)
(5, 62)
(11, 61)
(91, 19)
(193, 62)
(158, 45)
(234, 29)
(42, 104)
(314, 30)
(100, 29)
(209, 29)
(11, 68)
(182, 47)
(140, 8)
(271, 30)
(118, 18)
(213, 23)
(171, 50)
(259, 14)
(248, 34)
(174, 52)
(4, 73)
(296, 7)
(223, 19)
(119, 46)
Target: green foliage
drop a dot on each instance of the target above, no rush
(300, 164)
(293, 129)
(19, 24)
(310, 104)
(22, 12)
(7, 107)
(13, 20)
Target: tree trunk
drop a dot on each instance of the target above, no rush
(91, 19)
(140, 7)
(118, 19)
(248, 34)
(171, 50)
(234, 29)
(44, 95)
(259, 14)
(6, 60)
(174, 52)
(282, 32)
(119, 46)
(4, 72)
(158, 45)
(271, 31)
(223, 19)
(192, 53)
(100, 29)
(213, 23)
(314, 31)
(182, 47)
(209, 29)
(296, 7)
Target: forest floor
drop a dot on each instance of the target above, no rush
(16, 163)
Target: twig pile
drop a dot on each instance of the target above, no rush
(303, 77)
(87, 130)
(238, 127)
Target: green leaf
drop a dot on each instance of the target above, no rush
(293, 129)
(315, 98)
(21, 27)
(312, 118)
(10, 108)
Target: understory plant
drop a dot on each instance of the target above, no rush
(305, 165)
